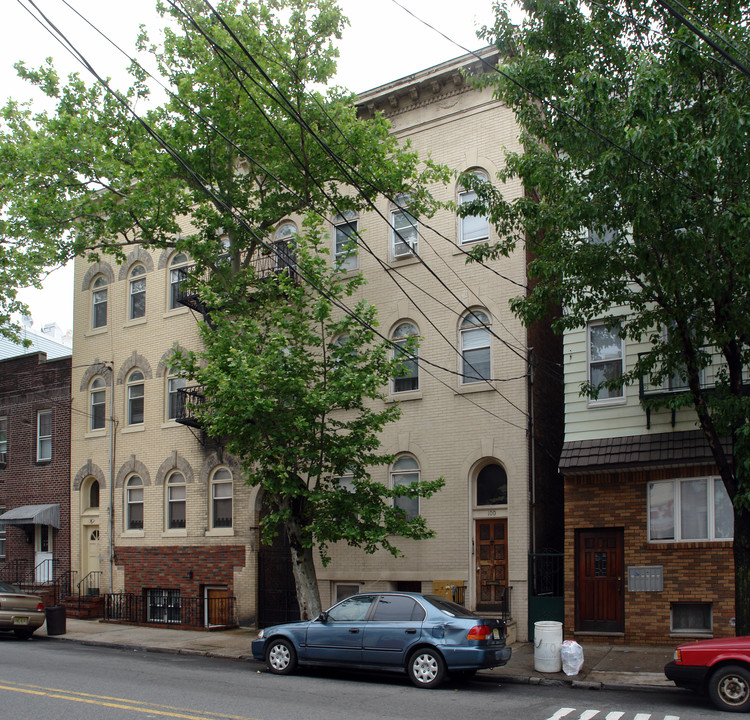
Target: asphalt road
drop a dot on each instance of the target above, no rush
(50, 681)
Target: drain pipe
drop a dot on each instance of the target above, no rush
(111, 476)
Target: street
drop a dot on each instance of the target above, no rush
(48, 680)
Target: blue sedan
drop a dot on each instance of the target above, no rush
(425, 636)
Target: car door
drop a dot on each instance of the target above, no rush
(336, 637)
(395, 625)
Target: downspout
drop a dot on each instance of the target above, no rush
(111, 477)
(532, 453)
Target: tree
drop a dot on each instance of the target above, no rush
(244, 141)
(637, 132)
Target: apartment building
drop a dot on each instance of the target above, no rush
(161, 513)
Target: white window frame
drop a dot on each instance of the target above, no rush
(343, 590)
(164, 606)
(471, 324)
(284, 244)
(3, 440)
(3, 534)
(399, 338)
(404, 230)
(134, 497)
(345, 252)
(712, 482)
(174, 384)
(222, 478)
(466, 196)
(176, 482)
(405, 476)
(97, 404)
(178, 267)
(43, 436)
(591, 364)
(136, 289)
(136, 384)
(99, 300)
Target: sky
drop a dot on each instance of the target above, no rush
(382, 43)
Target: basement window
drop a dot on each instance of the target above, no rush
(692, 618)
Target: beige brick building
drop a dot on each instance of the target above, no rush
(161, 514)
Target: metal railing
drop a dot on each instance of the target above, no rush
(170, 609)
(13, 571)
(89, 585)
(188, 400)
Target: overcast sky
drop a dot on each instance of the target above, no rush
(383, 43)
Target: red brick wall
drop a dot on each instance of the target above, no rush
(28, 384)
(694, 571)
(170, 567)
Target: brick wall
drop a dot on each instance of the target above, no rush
(693, 571)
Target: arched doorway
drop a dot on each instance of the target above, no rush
(491, 538)
(277, 596)
(90, 570)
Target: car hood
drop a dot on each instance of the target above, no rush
(720, 644)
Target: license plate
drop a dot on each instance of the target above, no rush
(495, 633)
(20, 620)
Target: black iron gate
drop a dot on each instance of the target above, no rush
(546, 582)
(277, 597)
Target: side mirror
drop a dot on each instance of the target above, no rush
(323, 617)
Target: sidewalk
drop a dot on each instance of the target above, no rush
(604, 665)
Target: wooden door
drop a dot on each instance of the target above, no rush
(217, 607)
(599, 580)
(492, 564)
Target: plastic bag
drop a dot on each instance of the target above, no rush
(571, 654)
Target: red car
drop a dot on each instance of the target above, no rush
(718, 667)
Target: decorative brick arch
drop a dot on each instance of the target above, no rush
(99, 268)
(133, 467)
(215, 460)
(163, 368)
(90, 469)
(134, 361)
(166, 256)
(174, 462)
(96, 368)
(137, 256)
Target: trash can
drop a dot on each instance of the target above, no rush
(55, 615)
(547, 642)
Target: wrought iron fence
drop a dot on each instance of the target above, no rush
(170, 608)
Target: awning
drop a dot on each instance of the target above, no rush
(32, 515)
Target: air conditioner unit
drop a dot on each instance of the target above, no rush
(402, 249)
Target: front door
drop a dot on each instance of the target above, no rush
(91, 535)
(217, 606)
(492, 564)
(43, 553)
(599, 580)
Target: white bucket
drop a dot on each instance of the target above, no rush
(547, 642)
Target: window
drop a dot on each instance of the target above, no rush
(404, 472)
(99, 299)
(473, 228)
(178, 272)
(137, 293)
(176, 514)
(691, 618)
(691, 509)
(44, 435)
(94, 494)
(353, 609)
(98, 400)
(404, 229)
(345, 590)
(163, 606)
(606, 356)
(2, 533)
(345, 251)
(475, 347)
(134, 504)
(175, 399)
(408, 378)
(284, 247)
(398, 608)
(221, 499)
(135, 398)
(3, 440)
(492, 486)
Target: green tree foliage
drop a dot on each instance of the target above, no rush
(636, 138)
(246, 138)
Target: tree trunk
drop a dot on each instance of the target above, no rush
(742, 570)
(305, 575)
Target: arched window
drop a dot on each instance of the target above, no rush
(137, 293)
(404, 472)
(176, 501)
(408, 378)
(345, 239)
(221, 499)
(99, 302)
(94, 494)
(404, 229)
(135, 397)
(284, 247)
(134, 503)
(175, 399)
(492, 486)
(178, 271)
(97, 403)
(473, 228)
(475, 347)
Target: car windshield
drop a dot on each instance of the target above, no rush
(449, 608)
(8, 588)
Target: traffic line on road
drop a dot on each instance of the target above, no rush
(118, 703)
(591, 714)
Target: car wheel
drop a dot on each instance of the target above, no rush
(426, 668)
(729, 688)
(23, 634)
(281, 657)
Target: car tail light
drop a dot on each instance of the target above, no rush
(40, 607)
(479, 632)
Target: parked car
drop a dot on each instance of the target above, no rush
(20, 612)
(718, 667)
(425, 636)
